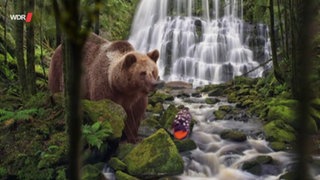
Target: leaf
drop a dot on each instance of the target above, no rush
(95, 126)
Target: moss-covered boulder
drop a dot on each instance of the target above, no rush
(124, 176)
(279, 131)
(90, 171)
(233, 135)
(160, 97)
(219, 114)
(185, 145)
(155, 156)
(149, 126)
(212, 100)
(117, 164)
(255, 166)
(232, 97)
(157, 108)
(106, 110)
(168, 117)
(226, 108)
(278, 146)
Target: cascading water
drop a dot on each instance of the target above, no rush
(200, 41)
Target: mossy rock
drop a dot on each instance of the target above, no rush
(219, 114)
(316, 104)
(216, 92)
(124, 149)
(159, 97)
(90, 171)
(212, 100)
(232, 98)
(279, 131)
(278, 146)
(124, 176)
(254, 166)
(106, 110)
(168, 117)
(154, 157)
(233, 135)
(149, 126)
(117, 164)
(157, 108)
(225, 108)
(245, 103)
(282, 112)
(185, 145)
(243, 92)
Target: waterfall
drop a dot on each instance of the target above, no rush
(200, 41)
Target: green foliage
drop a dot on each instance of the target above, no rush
(96, 133)
(25, 114)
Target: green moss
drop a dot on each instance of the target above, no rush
(157, 108)
(185, 145)
(278, 146)
(283, 113)
(168, 117)
(124, 149)
(254, 166)
(155, 156)
(159, 97)
(212, 100)
(117, 164)
(124, 176)
(279, 131)
(219, 114)
(226, 108)
(90, 171)
(232, 97)
(106, 110)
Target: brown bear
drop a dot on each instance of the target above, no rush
(113, 70)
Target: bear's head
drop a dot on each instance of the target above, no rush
(138, 73)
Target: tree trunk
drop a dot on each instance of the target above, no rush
(19, 25)
(5, 32)
(31, 75)
(58, 28)
(97, 18)
(72, 46)
(304, 55)
(276, 67)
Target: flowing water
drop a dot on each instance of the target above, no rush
(200, 41)
(216, 158)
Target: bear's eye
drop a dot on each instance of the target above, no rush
(143, 73)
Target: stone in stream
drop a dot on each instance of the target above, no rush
(233, 135)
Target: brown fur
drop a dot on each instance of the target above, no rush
(113, 70)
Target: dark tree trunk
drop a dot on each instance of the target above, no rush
(5, 32)
(19, 5)
(31, 75)
(276, 67)
(58, 28)
(73, 42)
(97, 18)
(303, 83)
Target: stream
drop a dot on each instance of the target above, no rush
(216, 158)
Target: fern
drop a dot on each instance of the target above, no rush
(96, 133)
(18, 115)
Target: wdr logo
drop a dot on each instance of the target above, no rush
(21, 17)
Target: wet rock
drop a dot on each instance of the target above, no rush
(232, 98)
(157, 108)
(219, 114)
(160, 97)
(155, 156)
(106, 110)
(168, 116)
(196, 94)
(185, 145)
(124, 149)
(261, 165)
(124, 176)
(278, 146)
(234, 135)
(212, 100)
(148, 127)
(117, 164)
(216, 92)
(226, 108)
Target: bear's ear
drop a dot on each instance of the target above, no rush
(129, 60)
(154, 55)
